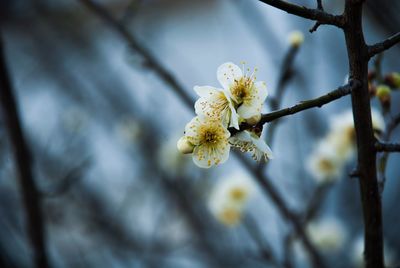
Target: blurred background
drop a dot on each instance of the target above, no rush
(105, 90)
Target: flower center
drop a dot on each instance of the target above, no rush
(326, 165)
(241, 89)
(238, 194)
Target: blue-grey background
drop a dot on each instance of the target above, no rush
(103, 129)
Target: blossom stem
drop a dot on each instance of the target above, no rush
(387, 147)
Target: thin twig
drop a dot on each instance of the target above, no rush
(307, 13)
(384, 45)
(303, 105)
(23, 162)
(387, 147)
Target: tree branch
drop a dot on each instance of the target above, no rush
(303, 105)
(312, 14)
(366, 154)
(385, 45)
(23, 162)
(387, 147)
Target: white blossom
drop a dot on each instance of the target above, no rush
(216, 103)
(229, 198)
(248, 96)
(210, 141)
(328, 235)
(248, 141)
(324, 164)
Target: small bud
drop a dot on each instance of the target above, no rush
(383, 93)
(296, 38)
(393, 80)
(184, 146)
(254, 119)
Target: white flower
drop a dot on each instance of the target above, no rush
(248, 141)
(324, 164)
(229, 198)
(328, 235)
(296, 38)
(216, 103)
(248, 96)
(210, 140)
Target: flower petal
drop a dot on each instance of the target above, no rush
(192, 128)
(206, 91)
(227, 73)
(261, 92)
(249, 110)
(205, 156)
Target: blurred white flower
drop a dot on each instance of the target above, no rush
(229, 198)
(378, 122)
(216, 103)
(210, 140)
(358, 256)
(248, 95)
(129, 130)
(296, 38)
(324, 164)
(339, 146)
(328, 234)
(248, 141)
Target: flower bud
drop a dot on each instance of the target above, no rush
(393, 80)
(296, 38)
(254, 119)
(184, 146)
(383, 94)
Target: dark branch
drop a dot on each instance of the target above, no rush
(23, 162)
(308, 13)
(387, 147)
(385, 45)
(303, 105)
(308, 104)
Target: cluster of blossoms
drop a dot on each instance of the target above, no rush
(229, 198)
(329, 157)
(239, 100)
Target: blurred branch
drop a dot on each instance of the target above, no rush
(307, 13)
(270, 190)
(387, 147)
(256, 234)
(23, 162)
(285, 76)
(151, 62)
(65, 184)
(384, 45)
